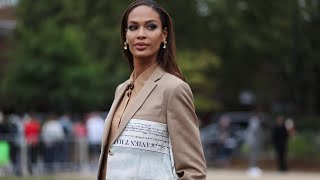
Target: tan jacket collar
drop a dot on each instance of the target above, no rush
(146, 90)
(139, 100)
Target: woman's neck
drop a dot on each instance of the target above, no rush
(140, 65)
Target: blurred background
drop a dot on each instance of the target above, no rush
(253, 66)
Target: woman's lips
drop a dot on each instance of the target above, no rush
(141, 45)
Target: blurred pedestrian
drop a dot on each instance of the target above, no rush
(32, 130)
(225, 141)
(290, 126)
(81, 144)
(254, 142)
(52, 135)
(94, 127)
(66, 123)
(4, 142)
(280, 141)
(17, 136)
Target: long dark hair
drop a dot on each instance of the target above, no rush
(166, 57)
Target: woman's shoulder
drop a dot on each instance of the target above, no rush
(171, 81)
(176, 88)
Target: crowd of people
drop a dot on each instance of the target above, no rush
(254, 138)
(50, 141)
(64, 141)
(238, 135)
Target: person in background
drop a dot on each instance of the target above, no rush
(66, 123)
(4, 142)
(290, 126)
(4, 128)
(81, 144)
(32, 131)
(52, 135)
(224, 140)
(94, 127)
(254, 142)
(16, 134)
(280, 137)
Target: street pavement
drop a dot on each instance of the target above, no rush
(218, 174)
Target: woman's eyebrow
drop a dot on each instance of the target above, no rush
(151, 21)
(146, 22)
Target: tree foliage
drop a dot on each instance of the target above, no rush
(270, 47)
(67, 55)
(201, 69)
(60, 59)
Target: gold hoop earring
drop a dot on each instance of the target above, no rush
(125, 47)
(164, 44)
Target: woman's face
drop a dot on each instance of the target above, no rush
(144, 33)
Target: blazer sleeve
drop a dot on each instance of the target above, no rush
(184, 134)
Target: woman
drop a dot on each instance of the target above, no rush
(151, 131)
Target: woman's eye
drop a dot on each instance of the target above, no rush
(132, 27)
(152, 26)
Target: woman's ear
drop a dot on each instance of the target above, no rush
(165, 33)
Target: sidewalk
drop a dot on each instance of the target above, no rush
(218, 174)
(213, 174)
(225, 174)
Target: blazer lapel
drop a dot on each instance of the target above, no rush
(102, 159)
(111, 114)
(139, 100)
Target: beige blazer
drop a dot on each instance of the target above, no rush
(165, 99)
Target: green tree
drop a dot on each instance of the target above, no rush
(68, 54)
(269, 47)
(53, 66)
(199, 68)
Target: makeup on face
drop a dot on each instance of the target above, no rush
(149, 25)
(144, 32)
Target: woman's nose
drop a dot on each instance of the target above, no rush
(141, 33)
